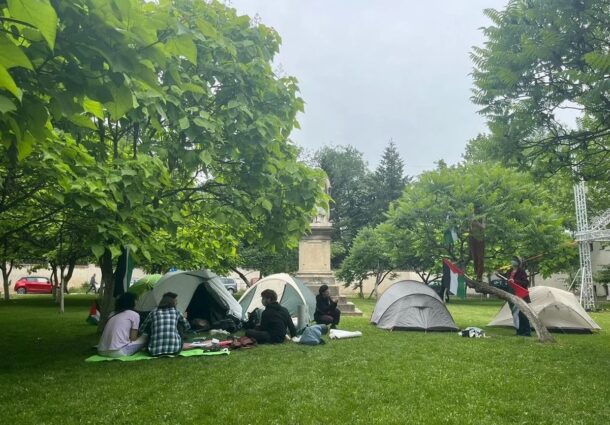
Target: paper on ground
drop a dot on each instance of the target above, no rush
(339, 334)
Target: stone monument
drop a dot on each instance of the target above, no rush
(314, 258)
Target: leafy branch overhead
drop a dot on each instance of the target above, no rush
(148, 122)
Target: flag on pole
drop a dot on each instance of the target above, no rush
(457, 284)
(450, 236)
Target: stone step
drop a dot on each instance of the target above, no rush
(332, 290)
(355, 313)
(349, 309)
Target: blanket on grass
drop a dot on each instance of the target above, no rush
(143, 356)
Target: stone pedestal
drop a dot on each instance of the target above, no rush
(314, 256)
(314, 265)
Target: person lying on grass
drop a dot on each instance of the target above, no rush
(162, 326)
(275, 321)
(120, 336)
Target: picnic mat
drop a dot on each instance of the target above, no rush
(140, 355)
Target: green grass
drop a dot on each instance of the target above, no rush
(381, 378)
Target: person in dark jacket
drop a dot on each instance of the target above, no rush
(518, 284)
(327, 312)
(275, 321)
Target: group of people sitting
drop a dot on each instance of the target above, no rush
(162, 329)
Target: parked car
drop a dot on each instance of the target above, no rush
(34, 285)
(229, 283)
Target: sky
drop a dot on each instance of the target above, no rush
(374, 70)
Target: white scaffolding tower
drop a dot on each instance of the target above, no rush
(585, 235)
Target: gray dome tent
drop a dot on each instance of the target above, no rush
(291, 293)
(410, 305)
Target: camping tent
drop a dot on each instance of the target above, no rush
(198, 291)
(410, 305)
(291, 293)
(558, 310)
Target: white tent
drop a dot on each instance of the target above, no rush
(410, 305)
(558, 310)
(184, 284)
(291, 293)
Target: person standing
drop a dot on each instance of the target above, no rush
(275, 321)
(92, 285)
(326, 312)
(518, 283)
(163, 327)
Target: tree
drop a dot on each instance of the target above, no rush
(369, 256)
(388, 182)
(516, 215)
(173, 111)
(541, 59)
(350, 207)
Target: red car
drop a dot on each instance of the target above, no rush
(34, 285)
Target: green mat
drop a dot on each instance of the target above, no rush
(143, 356)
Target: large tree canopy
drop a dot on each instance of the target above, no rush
(144, 122)
(513, 212)
(541, 59)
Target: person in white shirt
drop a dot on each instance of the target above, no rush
(120, 336)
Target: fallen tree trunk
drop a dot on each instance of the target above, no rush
(543, 333)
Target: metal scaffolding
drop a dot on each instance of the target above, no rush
(585, 236)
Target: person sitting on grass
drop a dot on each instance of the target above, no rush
(326, 312)
(275, 321)
(163, 327)
(120, 336)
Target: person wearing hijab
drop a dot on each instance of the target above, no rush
(326, 312)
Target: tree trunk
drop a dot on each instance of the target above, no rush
(71, 265)
(241, 275)
(361, 286)
(61, 292)
(107, 283)
(543, 334)
(6, 272)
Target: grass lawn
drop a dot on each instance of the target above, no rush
(381, 378)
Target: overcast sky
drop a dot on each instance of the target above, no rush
(374, 70)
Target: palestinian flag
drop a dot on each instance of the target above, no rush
(455, 277)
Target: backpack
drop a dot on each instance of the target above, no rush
(312, 335)
(228, 325)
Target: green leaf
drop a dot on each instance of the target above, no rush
(7, 82)
(39, 13)
(266, 204)
(11, 55)
(183, 46)
(115, 251)
(183, 123)
(98, 250)
(93, 107)
(25, 145)
(206, 157)
(83, 121)
(6, 105)
(122, 103)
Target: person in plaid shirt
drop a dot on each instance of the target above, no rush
(162, 327)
